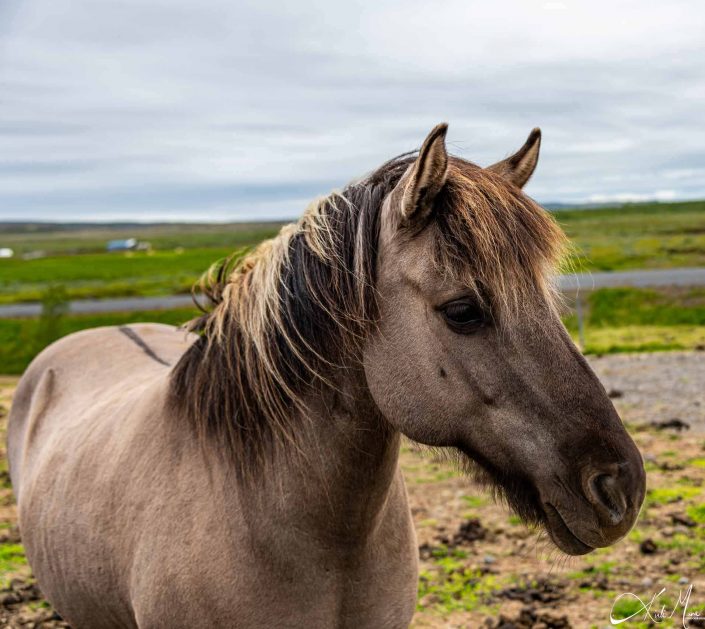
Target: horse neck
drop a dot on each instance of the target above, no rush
(340, 482)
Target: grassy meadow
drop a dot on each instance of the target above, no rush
(643, 236)
(22, 339)
(77, 259)
(641, 320)
(67, 238)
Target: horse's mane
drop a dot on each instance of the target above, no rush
(283, 318)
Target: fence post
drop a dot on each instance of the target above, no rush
(581, 323)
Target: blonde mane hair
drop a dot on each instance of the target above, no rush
(284, 318)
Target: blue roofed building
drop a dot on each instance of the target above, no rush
(126, 244)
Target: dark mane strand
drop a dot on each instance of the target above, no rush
(280, 319)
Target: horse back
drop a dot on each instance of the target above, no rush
(82, 370)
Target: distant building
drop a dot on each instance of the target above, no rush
(128, 244)
(6, 252)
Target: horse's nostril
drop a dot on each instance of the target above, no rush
(607, 496)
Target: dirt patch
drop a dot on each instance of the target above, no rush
(529, 618)
(22, 605)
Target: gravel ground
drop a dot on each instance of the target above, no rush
(656, 387)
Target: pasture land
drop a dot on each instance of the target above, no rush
(78, 238)
(77, 260)
(478, 561)
(630, 237)
(643, 236)
(639, 319)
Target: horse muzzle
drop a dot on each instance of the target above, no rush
(603, 511)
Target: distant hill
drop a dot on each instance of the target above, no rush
(46, 227)
(559, 205)
(38, 227)
(109, 230)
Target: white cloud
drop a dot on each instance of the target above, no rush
(633, 197)
(236, 109)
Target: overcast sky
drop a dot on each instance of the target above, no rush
(226, 110)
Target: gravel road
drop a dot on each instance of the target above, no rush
(694, 276)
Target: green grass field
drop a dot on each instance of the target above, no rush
(107, 275)
(644, 236)
(57, 239)
(77, 260)
(635, 320)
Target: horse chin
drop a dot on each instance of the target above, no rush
(523, 497)
(516, 490)
(561, 535)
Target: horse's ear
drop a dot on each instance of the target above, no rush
(519, 167)
(426, 178)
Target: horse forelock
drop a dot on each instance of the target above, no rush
(286, 317)
(498, 241)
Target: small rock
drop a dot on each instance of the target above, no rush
(683, 581)
(615, 393)
(601, 583)
(488, 559)
(647, 582)
(469, 531)
(674, 423)
(648, 547)
(684, 520)
(527, 615)
(540, 590)
(10, 598)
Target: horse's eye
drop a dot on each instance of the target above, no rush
(464, 316)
